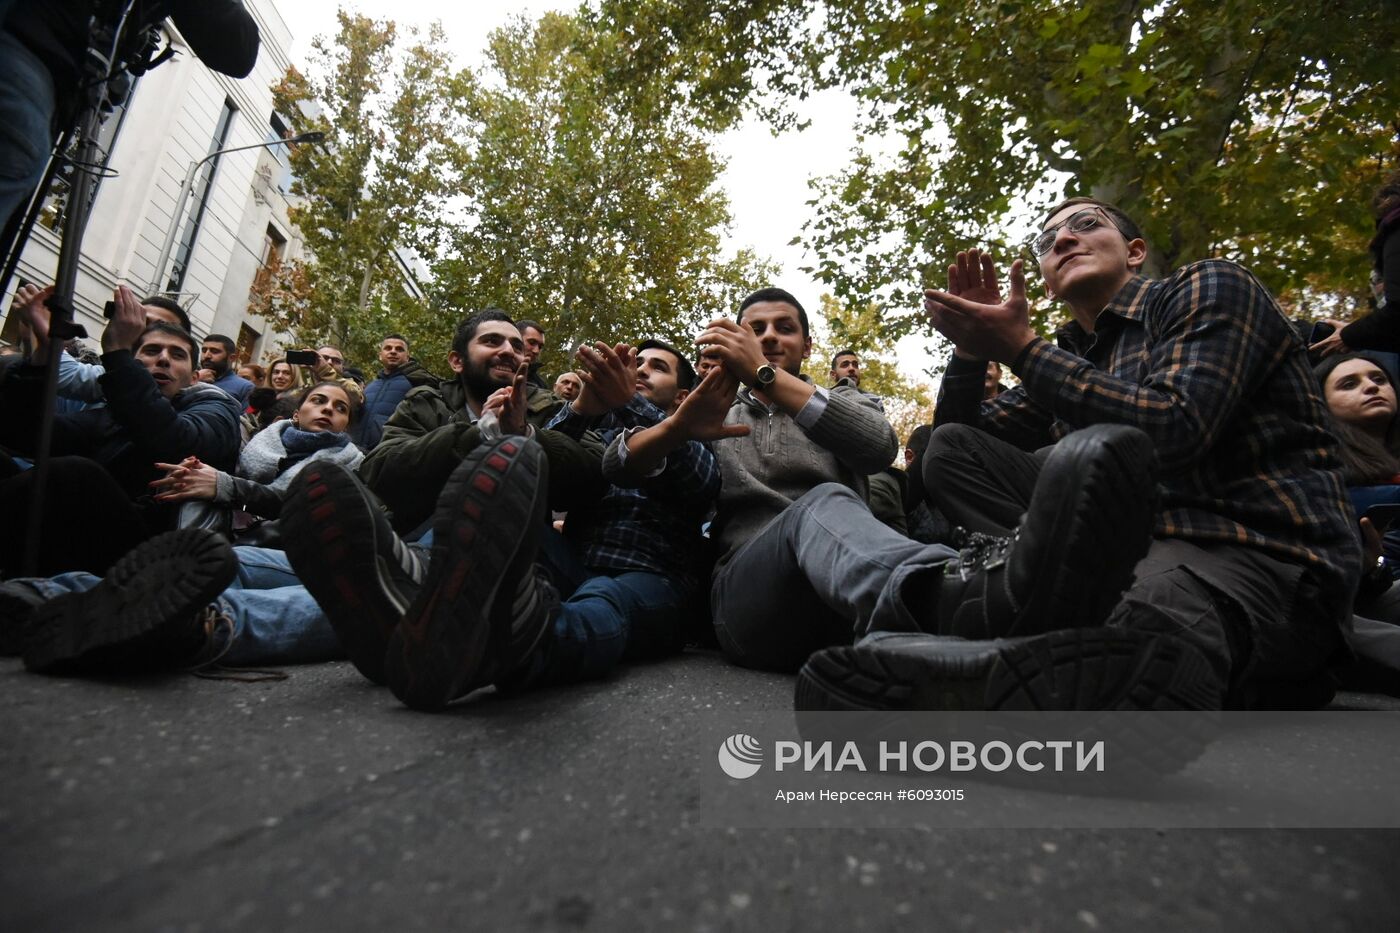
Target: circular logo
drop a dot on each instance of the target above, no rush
(741, 756)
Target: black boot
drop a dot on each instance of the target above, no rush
(151, 611)
(1089, 523)
(346, 554)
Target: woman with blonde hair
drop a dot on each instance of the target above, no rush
(284, 377)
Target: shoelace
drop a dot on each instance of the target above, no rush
(206, 663)
(981, 552)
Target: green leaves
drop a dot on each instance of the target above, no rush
(595, 207)
(1249, 129)
(541, 185)
(389, 102)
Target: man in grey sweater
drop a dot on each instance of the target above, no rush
(804, 565)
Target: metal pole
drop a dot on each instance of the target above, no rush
(185, 187)
(61, 325)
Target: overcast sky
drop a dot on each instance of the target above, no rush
(766, 178)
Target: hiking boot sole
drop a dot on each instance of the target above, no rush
(1069, 669)
(121, 624)
(457, 634)
(335, 543)
(1120, 673)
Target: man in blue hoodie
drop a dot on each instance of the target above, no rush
(398, 373)
(216, 358)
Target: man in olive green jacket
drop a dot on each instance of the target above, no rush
(434, 428)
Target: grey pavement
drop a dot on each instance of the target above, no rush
(320, 803)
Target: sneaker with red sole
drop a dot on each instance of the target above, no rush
(346, 554)
(483, 607)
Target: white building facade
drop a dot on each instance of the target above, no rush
(233, 223)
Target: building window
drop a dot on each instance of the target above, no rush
(202, 189)
(247, 343)
(277, 130)
(273, 252)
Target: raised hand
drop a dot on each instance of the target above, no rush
(1333, 342)
(609, 377)
(127, 324)
(29, 305)
(973, 314)
(701, 415)
(737, 346)
(508, 404)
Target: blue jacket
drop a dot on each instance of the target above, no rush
(382, 396)
(237, 386)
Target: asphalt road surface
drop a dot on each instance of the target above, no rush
(320, 803)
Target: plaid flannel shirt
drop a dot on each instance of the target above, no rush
(655, 527)
(1205, 363)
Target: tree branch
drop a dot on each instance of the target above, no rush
(1239, 97)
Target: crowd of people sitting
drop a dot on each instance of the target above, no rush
(1161, 513)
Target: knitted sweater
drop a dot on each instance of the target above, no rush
(780, 460)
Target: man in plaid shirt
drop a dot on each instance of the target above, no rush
(633, 559)
(1253, 559)
(804, 568)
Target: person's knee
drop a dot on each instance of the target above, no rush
(952, 442)
(1176, 602)
(949, 455)
(826, 492)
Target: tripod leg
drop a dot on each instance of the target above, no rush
(61, 326)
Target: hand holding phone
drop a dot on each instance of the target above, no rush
(1381, 516)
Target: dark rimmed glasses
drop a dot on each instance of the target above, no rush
(1078, 222)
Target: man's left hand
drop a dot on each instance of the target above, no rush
(128, 322)
(972, 313)
(701, 416)
(609, 377)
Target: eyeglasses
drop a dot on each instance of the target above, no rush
(1079, 222)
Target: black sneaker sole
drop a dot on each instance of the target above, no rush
(1069, 669)
(458, 631)
(1102, 488)
(334, 540)
(1122, 674)
(145, 601)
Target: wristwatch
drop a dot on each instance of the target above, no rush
(765, 376)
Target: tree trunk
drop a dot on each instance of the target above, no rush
(366, 279)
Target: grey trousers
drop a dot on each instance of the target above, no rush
(1264, 623)
(824, 572)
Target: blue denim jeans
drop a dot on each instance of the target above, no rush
(275, 619)
(27, 102)
(605, 618)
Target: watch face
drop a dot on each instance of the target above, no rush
(766, 374)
